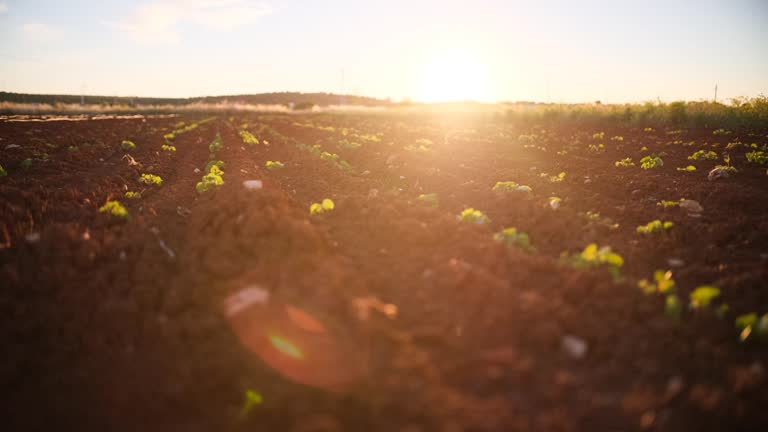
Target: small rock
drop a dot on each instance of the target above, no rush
(587, 181)
(365, 173)
(253, 184)
(524, 188)
(574, 346)
(717, 173)
(33, 237)
(675, 262)
(636, 192)
(243, 171)
(674, 387)
(123, 256)
(533, 168)
(12, 146)
(691, 206)
(197, 170)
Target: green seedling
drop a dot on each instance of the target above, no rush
(151, 179)
(593, 256)
(648, 129)
(248, 137)
(422, 145)
(668, 204)
(672, 306)
(133, 195)
(216, 145)
(115, 209)
(326, 156)
(432, 199)
(510, 186)
(168, 148)
(651, 161)
(322, 207)
(702, 296)
(727, 167)
(26, 163)
(750, 325)
(274, 165)
(626, 162)
(558, 178)
(127, 145)
(721, 132)
(617, 138)
(251, 399)
(73, 149)
(214, 178)
(512, 238)
(597, 148)
(598, 135)
(473, 216)
(3, 172)
(349, 145)
(217, 163)
(758, 157)
(654, 227)
(662, 283)
(689, 168)
(703, 155)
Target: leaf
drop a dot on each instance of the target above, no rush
(703, 296)
(590, 252)
(672, 306)
(328, 204)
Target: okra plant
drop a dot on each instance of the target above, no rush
(651, 161)
(128, 145)
(626, 162)
(654, 227)
(703, 155)
(133, 195)
(593, 256)
(510, 186)
(322, 207)
(248, 138)
(274, 165)
(151, 179)
(115, 209)
(473, 216)
(214, 178)
(513, 238)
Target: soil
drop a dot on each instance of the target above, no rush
(384, 314)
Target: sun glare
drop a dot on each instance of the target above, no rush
(454, 75)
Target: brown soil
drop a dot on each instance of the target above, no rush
(104, 329)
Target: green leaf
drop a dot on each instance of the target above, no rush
(672, 306)
(703, 296)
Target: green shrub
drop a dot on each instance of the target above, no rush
(114, 208)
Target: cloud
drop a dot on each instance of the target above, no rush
(159, 21)
(3, 7)
(40, 32)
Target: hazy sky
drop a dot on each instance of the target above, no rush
(564, 51)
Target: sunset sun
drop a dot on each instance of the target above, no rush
(454, 75)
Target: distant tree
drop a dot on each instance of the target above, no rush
(305, 105)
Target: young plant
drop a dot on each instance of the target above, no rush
(326, 156)
(248, 138)
(133, 195)
(210, 180)
(115, 209)
(322, 207)
(702, 296)
(749, 325)
(251, 399)
(216, 145)
(127, 145)
(667, 204)
(662, 283)
(151, 179)
(510, 186)
(349, 145)
(214, 163)
(651, 161)
(512, 238)
(473, 216)
(689, 168)
(727, 167)
(168, 148)
(598, 135)
(558, 178)
(617, 138)
(274, 165)
(703, 155)
(593, 256)
(626, 162)
(73, 149)
(721, 132)
(3, 172)
(432, 199)
(422, 145)
(597, 148)
(654, 227)
(648, 129)
(758, 157)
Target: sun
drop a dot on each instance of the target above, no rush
(454, 75)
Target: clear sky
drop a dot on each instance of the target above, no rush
(562, 51)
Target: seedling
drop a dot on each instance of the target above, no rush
(651, 161)
(127, 145)
(689, 168)
(322, 207)
(617, 138)
(512, 238)
(326, 156)
(422, 145)
(274, 165)
(667, 204)
(597, 148)
(702, 296)
(474, 216)
(558, 178)
(115, 209)
(250, 400)
(217, 163)
(721, 132)
(350, 145)
(133, 195)
(672, 306)
(749, 325)
(598, 135)
(168, 148)
(3, 172)
(758, 157)
(210, 180)
(727, 167)
(654, 227)
(73, 149)
(626, 162)
(592, 256)
(662, 283)
(151, 179)
(26, 163)
(432, 199)
(703, 155)
(510, 186)
(216, 144)
(648, 129)
(248, 137)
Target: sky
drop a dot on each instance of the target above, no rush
(489, 50)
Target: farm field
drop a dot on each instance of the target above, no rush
(620, 301)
